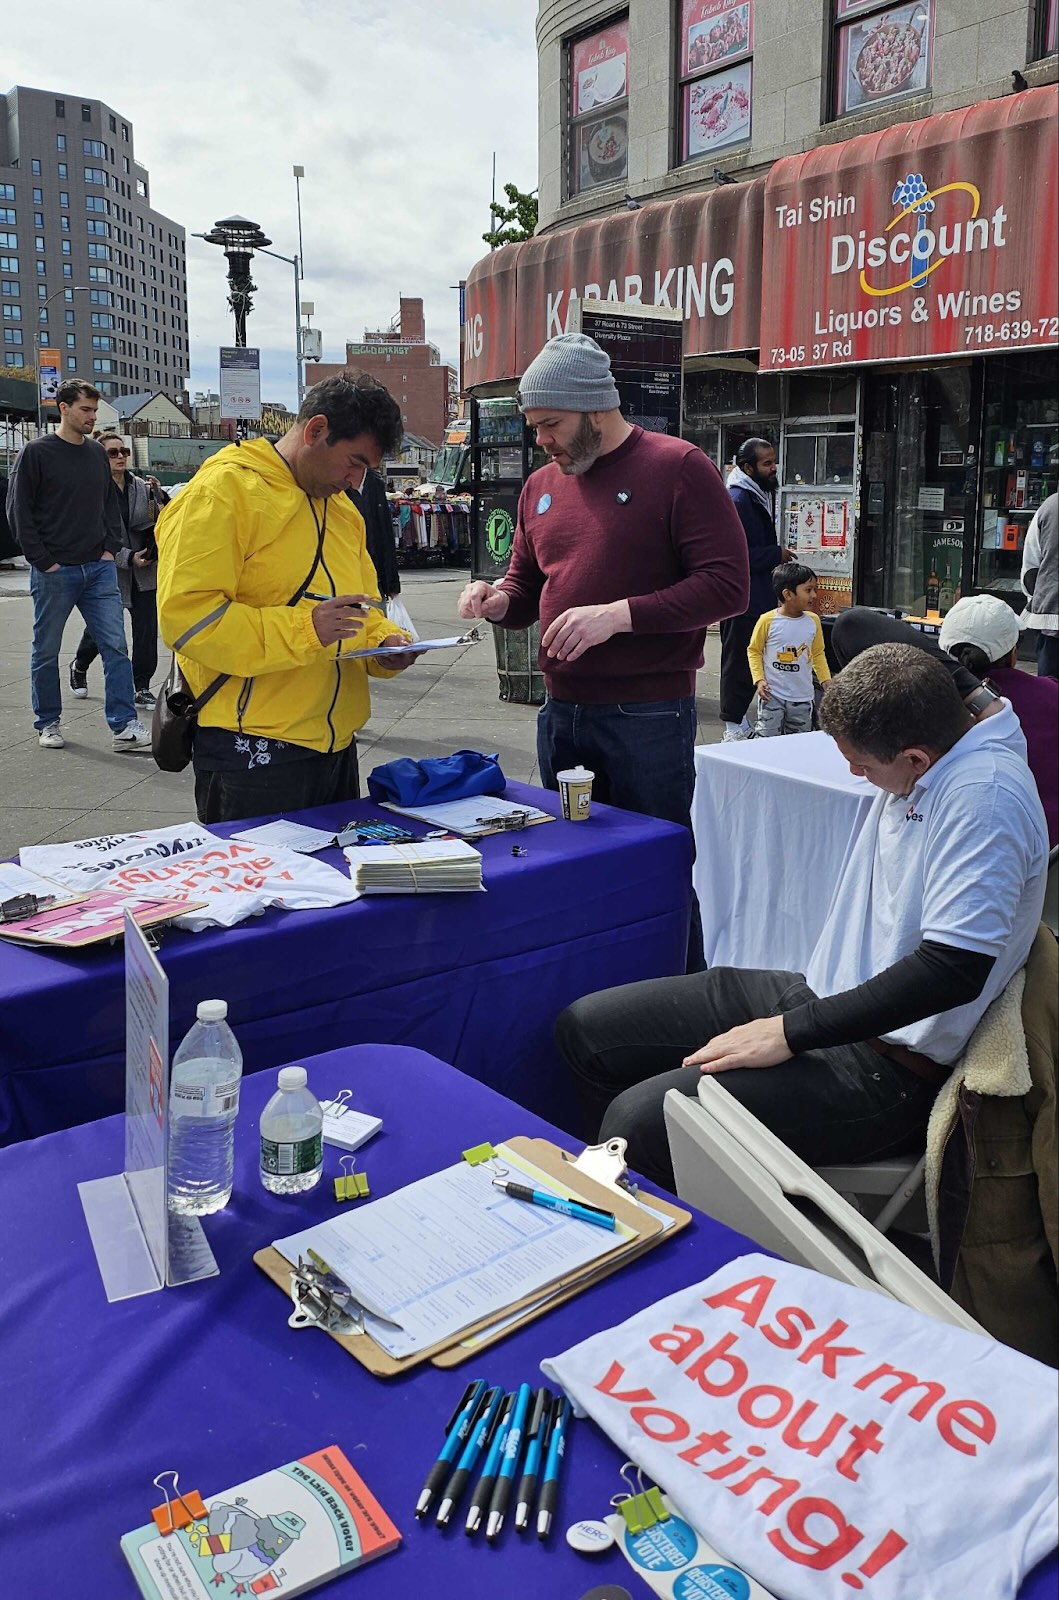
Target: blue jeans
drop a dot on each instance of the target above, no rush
(643, 757)
(93, 589)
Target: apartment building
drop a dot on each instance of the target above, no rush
(88, 266)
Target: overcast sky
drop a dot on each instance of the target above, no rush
(394, 112)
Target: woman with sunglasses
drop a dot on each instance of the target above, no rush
(139, 500)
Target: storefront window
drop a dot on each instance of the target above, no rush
(716, 71)
(1020, 464)
(881, 52)
(599, 108)
(724, 406)
(1047, 27)
(919, 482)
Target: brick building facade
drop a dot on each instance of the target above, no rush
(411, 368)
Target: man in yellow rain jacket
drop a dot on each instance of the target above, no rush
(264, 576)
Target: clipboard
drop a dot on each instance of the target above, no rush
(451, 1351)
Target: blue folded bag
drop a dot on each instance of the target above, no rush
(429, 783)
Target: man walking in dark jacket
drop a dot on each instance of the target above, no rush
(62, 505)
(752, 485)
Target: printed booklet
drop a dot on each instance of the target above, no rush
(278, 1535)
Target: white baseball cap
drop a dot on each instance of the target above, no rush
(982, 620)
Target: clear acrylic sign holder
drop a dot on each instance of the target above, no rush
(140, 1245)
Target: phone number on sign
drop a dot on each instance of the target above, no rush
(1001, 332)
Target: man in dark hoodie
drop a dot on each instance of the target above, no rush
(752, 485)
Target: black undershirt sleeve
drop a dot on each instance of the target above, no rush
(859, 628)
(934, 978)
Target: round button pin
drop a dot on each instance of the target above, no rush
(589, 1537)
(607, 1591)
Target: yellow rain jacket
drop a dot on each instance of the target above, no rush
(233, 547)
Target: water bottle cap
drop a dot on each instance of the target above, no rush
(292, 1077)
(212, 1010)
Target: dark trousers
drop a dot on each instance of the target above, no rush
(643, 757)
(625, 1047)
(317, 779)
(1048, 655)
(144, 612)
(737, 686)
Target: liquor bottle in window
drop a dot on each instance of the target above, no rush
(933, 589)
(946, 593)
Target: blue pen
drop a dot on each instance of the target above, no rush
(536, 1434)
(550, 1486)
(456, 1430)
(551, 1202)
(483, 1489)
(479, 1436)
(508, 1463)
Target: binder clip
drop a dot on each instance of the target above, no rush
(513, 822)
(479, 1154)
(181, 1511)
(351, 1185)
(641, 1508)
(338, 1105)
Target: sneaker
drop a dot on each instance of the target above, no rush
(78, 681)
(145, 699)
(50, 738)
(735, 735)
(133, 737)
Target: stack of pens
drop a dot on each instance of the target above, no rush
(486, 1433)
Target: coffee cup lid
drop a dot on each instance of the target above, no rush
(576, 775)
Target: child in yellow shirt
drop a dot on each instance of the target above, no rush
(786, 649)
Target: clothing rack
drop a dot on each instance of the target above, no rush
(430, 532)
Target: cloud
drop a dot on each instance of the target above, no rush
(394, 112)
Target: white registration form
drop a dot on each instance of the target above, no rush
(449, 1250)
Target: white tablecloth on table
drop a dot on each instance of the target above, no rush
(773, 820)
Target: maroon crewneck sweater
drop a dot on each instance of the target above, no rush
(652, 523)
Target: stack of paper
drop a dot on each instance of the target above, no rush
(474, 818)
(430, 866)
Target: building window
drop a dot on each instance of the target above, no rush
(12, 313)
(64, 224)
(38, 219)
(38, 194)
(100, 275)
(60, 108)
(68, 270)
(124, 163)
(113, 124)
(71, 340)
(7, 214)
(102, 364)
(68, 318)
(64, 199)
(63, 170)
(9, 286)
(15, 360)
(42, 271)
(12, 335)
(60, 143)
(598, 124)
(67, 248)
(97, 225)
(42, 294)
(100, 297)
(86, 112)
(39, 240)
(95, 175)
(99, 252)
(125, 136)
(71, 363)
(8, 263)
(141, 189)
(34, 167)
(7, 192)
(1046, 28)
(96, 202)
(94, 147)
(716, 71)
(881, 52)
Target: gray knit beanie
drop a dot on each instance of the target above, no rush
(571, 373)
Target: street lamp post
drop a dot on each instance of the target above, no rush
(76, 288)
(292, 261)
(238, 238)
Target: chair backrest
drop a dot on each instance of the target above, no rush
(1050, 914)
(731, 1166)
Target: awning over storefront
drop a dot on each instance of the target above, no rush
(701, 253)
(931, 238)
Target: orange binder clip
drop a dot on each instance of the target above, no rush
(179, 1512)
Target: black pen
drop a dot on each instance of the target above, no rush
(479, 1436)
(457, 1429)
(536, 1433)
(483, 1489)
(550, 1485)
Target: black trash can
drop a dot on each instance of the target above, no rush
(520, 678)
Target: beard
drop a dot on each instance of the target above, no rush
(770, 484)
(583, 450)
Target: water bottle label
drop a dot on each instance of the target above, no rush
(291, 1160)
(205, 1099)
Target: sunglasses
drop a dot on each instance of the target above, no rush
(116, 453)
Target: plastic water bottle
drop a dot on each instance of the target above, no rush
(203, 1105)
(292, 1144)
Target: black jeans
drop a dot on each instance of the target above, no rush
(624, 1047)
(1048, 655)
(643, 758)
(144, 612)
(737, 685)
(317, 779)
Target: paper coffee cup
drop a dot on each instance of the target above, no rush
(575, 791)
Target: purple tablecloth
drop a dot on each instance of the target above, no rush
(97, 1399)
(477, 978)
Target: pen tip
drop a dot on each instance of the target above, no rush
(473, 1522)
(423, 1503)
(496, 1522)
(443, 1512)
(521, 1516)
(544, 1522)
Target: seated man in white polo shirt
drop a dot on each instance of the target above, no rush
(935, 909)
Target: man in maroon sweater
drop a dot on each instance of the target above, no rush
(627, 546)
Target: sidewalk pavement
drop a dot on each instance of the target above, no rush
(447, 701)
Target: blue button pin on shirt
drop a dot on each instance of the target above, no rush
(543, 503)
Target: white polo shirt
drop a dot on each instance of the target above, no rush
(961, 861)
